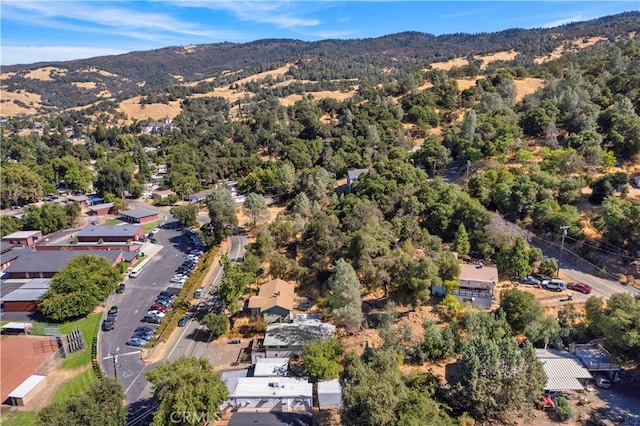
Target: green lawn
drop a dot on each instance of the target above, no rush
(113, 221)
(76, 386)
(149, 226)
(26, 418)
(89, 327)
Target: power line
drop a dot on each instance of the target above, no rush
(601, 249)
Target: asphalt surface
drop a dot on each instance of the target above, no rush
(601, 287)
(139, 295)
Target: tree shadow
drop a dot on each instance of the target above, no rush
(141, 412)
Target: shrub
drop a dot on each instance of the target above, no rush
(563, 411)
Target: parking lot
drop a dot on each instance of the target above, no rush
(141, 292)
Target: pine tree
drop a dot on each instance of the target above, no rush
(461, 243)
(344, 299)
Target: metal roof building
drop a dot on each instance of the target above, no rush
(329, 394)
(564, 371)
(268, 367)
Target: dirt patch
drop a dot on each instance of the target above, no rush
(177, 76)
(573, 45)
(98, 71)
(465, 83)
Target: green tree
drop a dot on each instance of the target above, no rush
(521, 309)
(514, 261)
(461, 243)
(222, 214)
(187, 385)
(255, 206)
(79, 287)
(183, 179)
(186, 215)
(114, 179)
(548, 266)
(19, 185)
(9, 225)
(101, 405)
(344, 297)
(233, 284)
(493, 377)
(218, 324)
(322, 359)
(562, 409)
(621, 326)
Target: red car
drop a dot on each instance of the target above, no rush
(581, 287)
(158, 307)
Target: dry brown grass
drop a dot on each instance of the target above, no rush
(99, 71)
(135, 110)
(457, 62)
(231, 95)
(177, 77)
(324, 94)
(575, 45)
(85, 84)
(465, 83)
(45, 73)
(527, 86)
(9, 108)
(498, 56)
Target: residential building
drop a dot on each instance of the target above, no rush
(200, 196)
(161, 195)
(272, 394)
(271, 419)
(275, 301)
(81, 200)
(8, 254)
(597, 359)
(271, 367)
(353, 175)
(139, 215)
(23, 238)
(287, 339)
(476, 285)
(563, 370)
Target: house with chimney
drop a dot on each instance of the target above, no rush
(274, 301)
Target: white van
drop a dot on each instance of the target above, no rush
(135, 272)
(554, 284)
(602, 381)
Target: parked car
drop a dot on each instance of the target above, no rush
(144, 335)
(167, 294)
(199, 292)
(530, 280)
(601, 381)
(234, 341)
(183, 321)
(541, 277)
(144, 329)
(163, 302)
(153, 319)
(120, 288)
(158, 307)
(108, 324)
(581, 287)
(554, 284)
(113, 311)
(136, 341)
(156, 313)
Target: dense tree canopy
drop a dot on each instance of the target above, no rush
(79, 287)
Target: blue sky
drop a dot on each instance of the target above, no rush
(34, 31)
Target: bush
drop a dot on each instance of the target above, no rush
(563, 411)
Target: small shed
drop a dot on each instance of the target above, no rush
(17, 328)
(329, 394)
(21, 395)
(81, 200)
(139, 216)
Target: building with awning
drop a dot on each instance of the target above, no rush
(564, 371)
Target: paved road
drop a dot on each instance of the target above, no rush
(601, 287)
(140, 293)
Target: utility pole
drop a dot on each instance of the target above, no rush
(564, 234)
(115, 365)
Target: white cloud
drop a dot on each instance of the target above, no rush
(12, 55)
(559, 22)
(279, 14)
